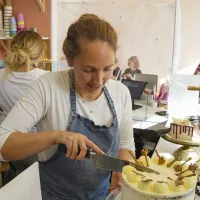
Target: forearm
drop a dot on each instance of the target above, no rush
(124, 154)
(20, 145)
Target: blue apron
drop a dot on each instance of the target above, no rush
(65, 179)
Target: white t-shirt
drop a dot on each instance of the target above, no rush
(47, 104)
(13, 87)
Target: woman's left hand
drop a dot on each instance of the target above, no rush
(116, 181)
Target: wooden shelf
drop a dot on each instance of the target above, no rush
(41, 4)
(5, 42)
(10, 38)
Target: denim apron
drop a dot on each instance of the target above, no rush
(65, 179)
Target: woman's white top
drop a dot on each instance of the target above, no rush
(14, 85)
(46, 104)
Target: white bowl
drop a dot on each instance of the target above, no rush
(163, 102)
(153, 103)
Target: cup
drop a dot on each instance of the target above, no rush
(34, 29)
(13, 29)
(20, 29)
(12, 20)
(153, 103)
(20, 26)
(20, 22)
(20, 17)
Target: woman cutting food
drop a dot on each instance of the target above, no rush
(80, 108)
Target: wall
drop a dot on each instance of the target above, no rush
(145, 29)
(190, 36)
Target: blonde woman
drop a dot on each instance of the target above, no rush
(133, 69)
(26, 50)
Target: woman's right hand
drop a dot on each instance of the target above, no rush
(74, 142)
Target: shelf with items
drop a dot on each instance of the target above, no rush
(10, 38)
(46, 64)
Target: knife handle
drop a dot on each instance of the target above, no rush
(63, 149)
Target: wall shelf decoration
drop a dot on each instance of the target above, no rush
(41, 4)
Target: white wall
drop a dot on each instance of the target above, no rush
(145, 29)
(190, 36)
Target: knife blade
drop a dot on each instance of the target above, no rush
(109, 163)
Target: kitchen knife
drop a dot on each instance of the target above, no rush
(109, 163)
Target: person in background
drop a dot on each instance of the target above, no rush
(116, 72)
(76, 109)
(197, 71)
(26, 50)
(133, 69)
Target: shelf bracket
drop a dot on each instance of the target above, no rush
(3, 45)
(41, 4)
(194, 88)
(1, 3)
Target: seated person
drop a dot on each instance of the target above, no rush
(197, 71)
(116, 71)
(133, 69)
(116, 74)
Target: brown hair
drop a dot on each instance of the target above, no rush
(25, 47)
(135, 60)
(91, 27)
